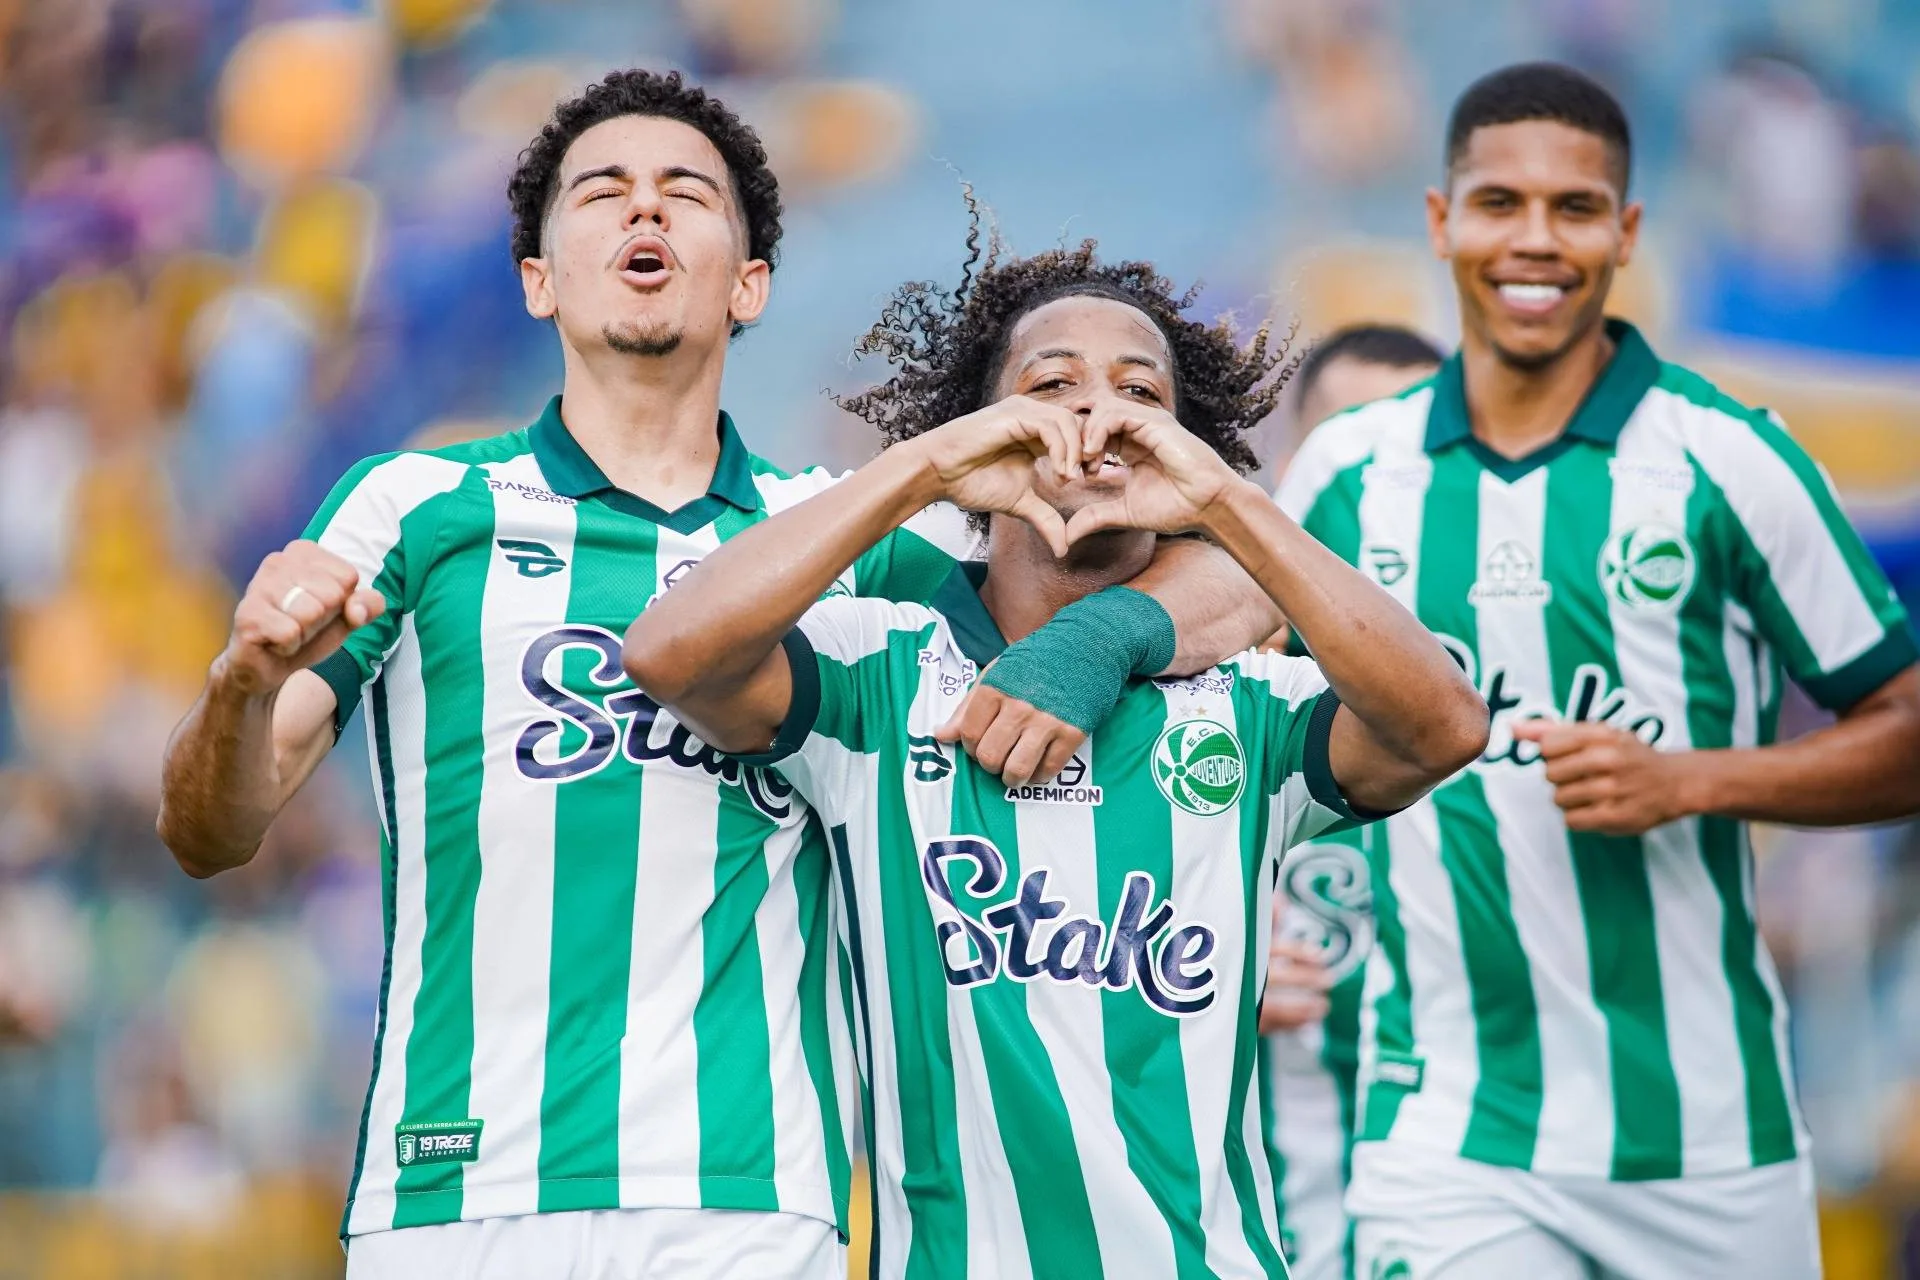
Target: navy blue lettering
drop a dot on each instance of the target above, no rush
(1190, 945)
(1085, 967)
(601, 732)
(1020, 916)
(990, 872)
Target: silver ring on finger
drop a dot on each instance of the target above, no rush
(294, 592)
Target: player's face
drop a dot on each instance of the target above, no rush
(1535, 226)
(1085, 353)
(1345, 382)
(644, 249)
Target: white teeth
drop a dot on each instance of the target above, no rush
(1532, 294)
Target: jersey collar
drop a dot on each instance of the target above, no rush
(957, 599)
(1629, 375)
(573, 474)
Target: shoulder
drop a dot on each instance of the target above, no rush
(1745, 450)
(1266, 674)
(849, 628)
(386, 487)
(1351, 439)
(780, 488)
(448, 464)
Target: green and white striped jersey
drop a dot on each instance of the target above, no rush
(1308, 1075)
(1056, 987)
(1582, 1004)
(611, 974)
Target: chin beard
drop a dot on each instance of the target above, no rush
(633, 340)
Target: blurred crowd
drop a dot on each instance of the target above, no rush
(246, 242)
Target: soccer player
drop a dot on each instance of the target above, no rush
(608, 1040)
(1058, 985)
(1311, 1012)
(1574, 1055)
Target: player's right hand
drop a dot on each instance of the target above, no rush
(985, 461)
(301, 605)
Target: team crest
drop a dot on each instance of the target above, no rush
(1199, 766)
(1648, 567)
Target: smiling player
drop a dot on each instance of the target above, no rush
(1574, 1044)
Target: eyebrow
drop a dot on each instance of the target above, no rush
(621, 173)
(1067, 353)
(682, 171)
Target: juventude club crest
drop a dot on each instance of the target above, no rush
(1648, 567)
(1199, 766)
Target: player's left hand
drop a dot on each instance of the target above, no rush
(1013, 739)
(1173, 479)
(1605, 779)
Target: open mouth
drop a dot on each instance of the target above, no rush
(646, 261)
(1531, 298)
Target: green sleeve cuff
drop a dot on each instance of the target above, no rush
(344, 677)
(1076, 667)
(1317, 763)
(803, 710)
(1839, 690)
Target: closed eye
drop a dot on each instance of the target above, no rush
(600, 195)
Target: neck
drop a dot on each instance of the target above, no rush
(647, 421)
(1026, 586)
(1516, 409)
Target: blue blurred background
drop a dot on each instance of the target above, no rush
(246, 242)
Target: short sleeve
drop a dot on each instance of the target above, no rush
(378, 510)
(854, 665)
(1285, 709)
(912, 562)
(1799, 567)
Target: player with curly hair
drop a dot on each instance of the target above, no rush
(610, 1026)
(1056, 984)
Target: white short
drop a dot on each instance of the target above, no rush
(1421, 1215)
(607, 1244)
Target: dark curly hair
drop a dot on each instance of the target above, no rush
(948, 348)
(637, 92)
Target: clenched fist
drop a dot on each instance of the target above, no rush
(301, 605)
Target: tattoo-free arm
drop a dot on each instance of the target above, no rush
(710, 648)
(1863, 768)
(1217, 610)
(1408, 717)
(233, 764)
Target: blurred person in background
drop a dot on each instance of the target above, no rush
(1323, 912)
(1575, 1053)
(607, 1036)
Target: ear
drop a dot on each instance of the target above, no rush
(752, 283)
(536, 287)
(1437, 208)
(1629, 233)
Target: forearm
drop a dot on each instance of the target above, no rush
(220, 780)
(718, 626)
(1387, 669)
(1863, 768)
(1217, 609)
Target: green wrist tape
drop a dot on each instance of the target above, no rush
(1076, 667)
